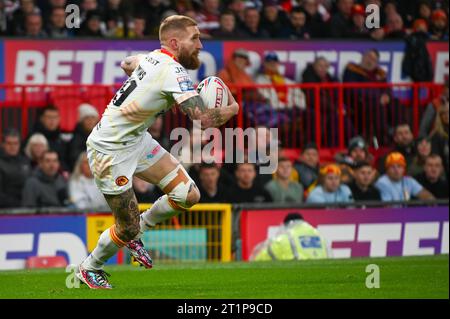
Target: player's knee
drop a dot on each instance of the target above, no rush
(193, 197)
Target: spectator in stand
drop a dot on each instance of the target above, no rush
(273, 18)
(367, 102)
(439, 25)
(433, 177)
(14, 170)
(48, 125)
(307, 167)
(416, 61)
(137, 28)
(47, 7)
(317, 72)
(56, 28)
(117, 15)
(208, 17)
(279, 97)
(153, 11)
(145, 192)
(238, 8)
(341, 22)
(246, 190)
(358, 151)
(330, 190)
(395, 186)
(227, 27)
(429, 116)
(92, 25)
(439, 136)
(83, 191)
(296, 28)
(4, 23)
(87, 119)
(359, 29)
(182, 6)
(394, 27)
(35, 147)
(252, 27)
(423, 150)
(45, 187)
(34, 26)
(89, 5)
(362, 186)
(211, 189)
(19, 16)
(315, 21)
(403, 143)
(282, 189)
(424, 11)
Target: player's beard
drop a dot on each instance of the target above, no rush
(189, 61)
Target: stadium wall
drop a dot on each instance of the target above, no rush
(205, 233)
(96, 62)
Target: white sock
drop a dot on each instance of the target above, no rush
(160, 211)
(105, 249)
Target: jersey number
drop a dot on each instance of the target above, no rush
(124, 91)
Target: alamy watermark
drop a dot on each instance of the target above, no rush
(72, 280)
(373, 16)
(373, 279)
(252, 145)
(73, 16)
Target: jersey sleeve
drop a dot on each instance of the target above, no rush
(178, 84)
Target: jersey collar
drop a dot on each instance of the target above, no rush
(168, 53)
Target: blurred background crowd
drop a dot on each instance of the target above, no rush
(228, 19)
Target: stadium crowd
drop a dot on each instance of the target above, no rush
(49, 167)
(229, 19)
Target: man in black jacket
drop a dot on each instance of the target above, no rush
(433, 177)
(48, 125)
(246, 190)
(46, 187)
(362, 184)
(14, 170)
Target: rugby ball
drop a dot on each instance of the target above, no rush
(213, 92)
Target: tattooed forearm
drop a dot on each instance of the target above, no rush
(126, 212)
(216, 117)
(193, 107)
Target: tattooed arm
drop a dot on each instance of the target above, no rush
(209, 117)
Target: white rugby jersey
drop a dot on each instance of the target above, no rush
(154, 86)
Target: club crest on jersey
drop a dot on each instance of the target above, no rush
(185, 83)
(122, 181)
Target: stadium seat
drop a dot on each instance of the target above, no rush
(46, 262)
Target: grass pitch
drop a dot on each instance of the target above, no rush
(405, 277)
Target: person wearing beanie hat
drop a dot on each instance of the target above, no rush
(395, 186)
(88, 117)
(357, 152)
(330, 189)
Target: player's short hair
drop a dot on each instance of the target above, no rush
(175, 23)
